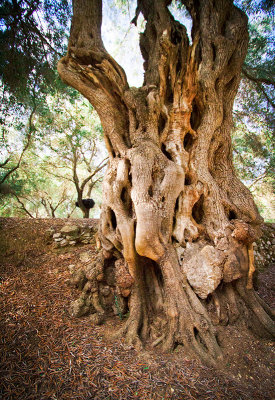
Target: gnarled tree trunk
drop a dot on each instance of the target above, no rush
(175, 218)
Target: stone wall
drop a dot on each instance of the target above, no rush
(88, 275)
(74, 234)
(264, 248)
(71, 235)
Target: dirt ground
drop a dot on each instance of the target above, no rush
(46, 354)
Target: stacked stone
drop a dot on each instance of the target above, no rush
(264, 248)
(99, 292)
(70, 235)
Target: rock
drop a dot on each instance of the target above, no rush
(72, 242)
(203, 269)
(78, 308)
(85, 241)
(85, 230)
(105, 291)
(87, 287)
(70, 230)
(125, 292)
(64, 243)
(57, 235)
(49, 234)
(100, 277)
(50, 231)
(85, 256)
(97, 319)
(79, 279)
(58, 239)
(71, 268)
(69, 238)
(86, 235)
(231, 269)
(264, 249)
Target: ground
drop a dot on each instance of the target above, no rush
(46, 354)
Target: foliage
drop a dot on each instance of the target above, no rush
(33, 191)
(253, 136)
(73, 147)
(33, 36)
(66, 145)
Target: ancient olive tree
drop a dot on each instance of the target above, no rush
(176, 224)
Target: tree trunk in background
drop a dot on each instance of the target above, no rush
(85, 212)
(175, 218)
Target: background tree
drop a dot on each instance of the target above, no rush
(176, 218)
(35, 32)
(10, 162)
(74, 147)
(63, 163)
(32, 38)
(253, 135)
(36, 194)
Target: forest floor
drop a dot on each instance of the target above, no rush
(45, 354)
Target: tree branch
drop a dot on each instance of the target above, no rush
(99, 168)
(259, 83)
(5, 162)
(29, 135)
(259, 178)
(23, 206)
(256, 79)
(94, 73)
(57, 175)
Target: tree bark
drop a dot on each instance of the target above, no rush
(175, 219)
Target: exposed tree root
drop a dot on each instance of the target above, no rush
(164, 310)
(263, 314)
(180, 317)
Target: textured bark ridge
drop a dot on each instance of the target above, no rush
(176, 222)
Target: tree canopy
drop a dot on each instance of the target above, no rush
(33, 36)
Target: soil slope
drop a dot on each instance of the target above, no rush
(45, 354)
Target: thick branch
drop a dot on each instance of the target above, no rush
(23, 206)
(257, 79)
(29, 135)
(2, 165)
(99, 168)
(94, 73)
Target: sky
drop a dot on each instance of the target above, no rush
(121, 38)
